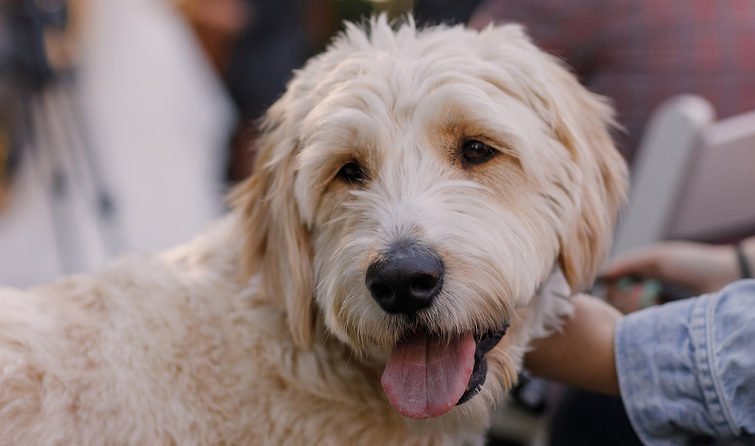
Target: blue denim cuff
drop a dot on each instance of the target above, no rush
(686, 368)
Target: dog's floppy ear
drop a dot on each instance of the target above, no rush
(595, 181)
(276, 242)
(582, 122)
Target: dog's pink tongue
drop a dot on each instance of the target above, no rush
(426, 375)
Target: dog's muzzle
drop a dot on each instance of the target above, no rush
(406, 279)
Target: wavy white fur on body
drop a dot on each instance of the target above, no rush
(182, 348)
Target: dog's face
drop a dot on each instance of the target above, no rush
(415, 188)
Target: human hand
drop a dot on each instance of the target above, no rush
(699, 267)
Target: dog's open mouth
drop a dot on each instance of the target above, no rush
(427, 375)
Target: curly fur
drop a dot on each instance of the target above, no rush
(261, 331)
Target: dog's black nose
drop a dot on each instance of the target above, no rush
(406, 279)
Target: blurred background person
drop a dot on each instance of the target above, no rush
(640, 53)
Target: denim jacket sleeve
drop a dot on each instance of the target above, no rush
(687, 369)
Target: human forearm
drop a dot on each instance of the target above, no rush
(700, 267)
(581, 354)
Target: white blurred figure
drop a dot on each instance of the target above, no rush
(160, 115)
(129, 157)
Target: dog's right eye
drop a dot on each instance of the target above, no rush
(476, 152)
(353, 173)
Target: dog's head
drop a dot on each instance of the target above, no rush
(415, 188)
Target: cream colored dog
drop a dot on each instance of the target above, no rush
(413, 191)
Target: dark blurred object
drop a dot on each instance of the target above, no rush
(589, 419)
(260, 63)
(444, 11)
(8, 156)
(352, 10)
(218, 24)
(493, 441)
(23, 48)
(270, 47)
(531, 394)
(9, 134)
(631, 293)
(30, 32)
(669, 292)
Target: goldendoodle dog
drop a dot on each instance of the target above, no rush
(423, 204)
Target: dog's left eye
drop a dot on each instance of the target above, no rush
(353, 173)
(476, 152)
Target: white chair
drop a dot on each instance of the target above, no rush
(694, 178)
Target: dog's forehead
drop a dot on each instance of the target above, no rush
(376, 98)
(396, 86)
(379, 86)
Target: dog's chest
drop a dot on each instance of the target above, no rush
(321, 396)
